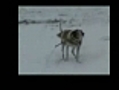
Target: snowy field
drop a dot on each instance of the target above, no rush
(37, 31)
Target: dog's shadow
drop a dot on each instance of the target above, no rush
(71, 59)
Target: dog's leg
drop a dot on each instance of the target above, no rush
(67, 52)
(62, 51)
(77, 53)
(73, 52)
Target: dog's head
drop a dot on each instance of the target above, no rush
(78, 33)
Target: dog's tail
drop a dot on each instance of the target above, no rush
(60, 27)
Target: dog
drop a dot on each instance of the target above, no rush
(71, 38)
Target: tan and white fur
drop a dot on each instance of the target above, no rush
(71, 38)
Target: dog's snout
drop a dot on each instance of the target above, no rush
(83, 33)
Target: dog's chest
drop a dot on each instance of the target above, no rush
(70, 42)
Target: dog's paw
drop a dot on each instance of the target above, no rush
(66, 59)
(78, 61)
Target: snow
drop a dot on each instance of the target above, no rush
(37, 54)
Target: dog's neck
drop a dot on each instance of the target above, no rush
(69, 35)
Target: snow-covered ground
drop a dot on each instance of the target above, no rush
(37, 40)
